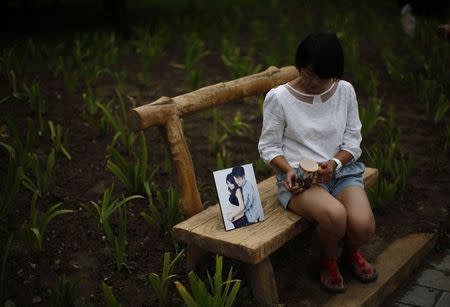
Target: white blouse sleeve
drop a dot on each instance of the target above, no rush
(270, 141)
(352, 134)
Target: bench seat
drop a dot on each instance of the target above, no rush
(254, 243)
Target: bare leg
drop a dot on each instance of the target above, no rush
(360, 221)
(316, 204)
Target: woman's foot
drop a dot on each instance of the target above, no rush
(330, 278)
(360, 267)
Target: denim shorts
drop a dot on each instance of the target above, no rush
(349, 175)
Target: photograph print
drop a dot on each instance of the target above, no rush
(238, 195)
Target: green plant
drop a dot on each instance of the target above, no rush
(108, 295)
(223, 158)
(65, 293)
(133, 174)
(370, 115)
(194, 52)
(14, 93)
(167, 212)
(391, 132)
(431, 93)
(59, 139)
(383, 192)
(238, 65)
(41, 180)
(12, 183)
(237, 127)
(106, 208)
(3, 272)
(70, 73)
(103, 211)
(22, 144)
(33, 94)
(118, 120)
(119, 241)
(149, 47)
(12, 60)
(222, 293)
(91, 102)
(160, 284)
(395, 66)
(34, 229)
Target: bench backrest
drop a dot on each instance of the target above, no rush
(166, 112)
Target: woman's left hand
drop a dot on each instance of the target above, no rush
(326, 171)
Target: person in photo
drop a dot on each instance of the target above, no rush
(252, 209)
(236, 213)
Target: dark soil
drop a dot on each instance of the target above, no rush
(74, 244)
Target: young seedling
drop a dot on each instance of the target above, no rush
(34, 229)
(108, 295)
(221, 293)
(134, 174)
(160, 284)
(59, 139)
(167, 212)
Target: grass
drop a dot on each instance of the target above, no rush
(160, 284)
(103, 211)
(59, 139)
(133, 173)
(41, 180)
(65, 293)
(34, 229)
(166, 213)
(221, 293)
(118, 121)
(195, 51)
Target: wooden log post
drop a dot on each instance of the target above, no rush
(157, 113)
(263, 283)
(190, 196)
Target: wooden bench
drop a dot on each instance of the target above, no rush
(203, 230)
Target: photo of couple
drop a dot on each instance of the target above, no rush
(238, 194)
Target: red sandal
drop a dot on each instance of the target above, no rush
(335, 282)
(357, 264)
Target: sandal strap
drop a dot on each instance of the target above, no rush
(358, 257)
(331, 266)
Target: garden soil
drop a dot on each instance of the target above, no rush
(76, 247)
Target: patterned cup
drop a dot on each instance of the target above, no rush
(307, 173)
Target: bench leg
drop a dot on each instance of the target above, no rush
(194, 256)
(262, 279)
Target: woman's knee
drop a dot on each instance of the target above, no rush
(334, 220)
(361, 230)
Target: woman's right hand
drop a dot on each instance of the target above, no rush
(291, 183)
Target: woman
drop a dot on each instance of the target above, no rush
(236, 213)
(315, 116)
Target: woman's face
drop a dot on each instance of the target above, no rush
(312, 84)
(230, 185)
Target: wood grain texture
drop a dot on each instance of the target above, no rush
(190, 197)
(157, 113)
(262, 280)
(254, 243)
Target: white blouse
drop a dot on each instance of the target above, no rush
(298, 126)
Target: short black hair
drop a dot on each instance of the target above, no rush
(323, 54)
(238, 171)
(230, 179)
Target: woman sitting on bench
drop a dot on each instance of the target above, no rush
(315, 116)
